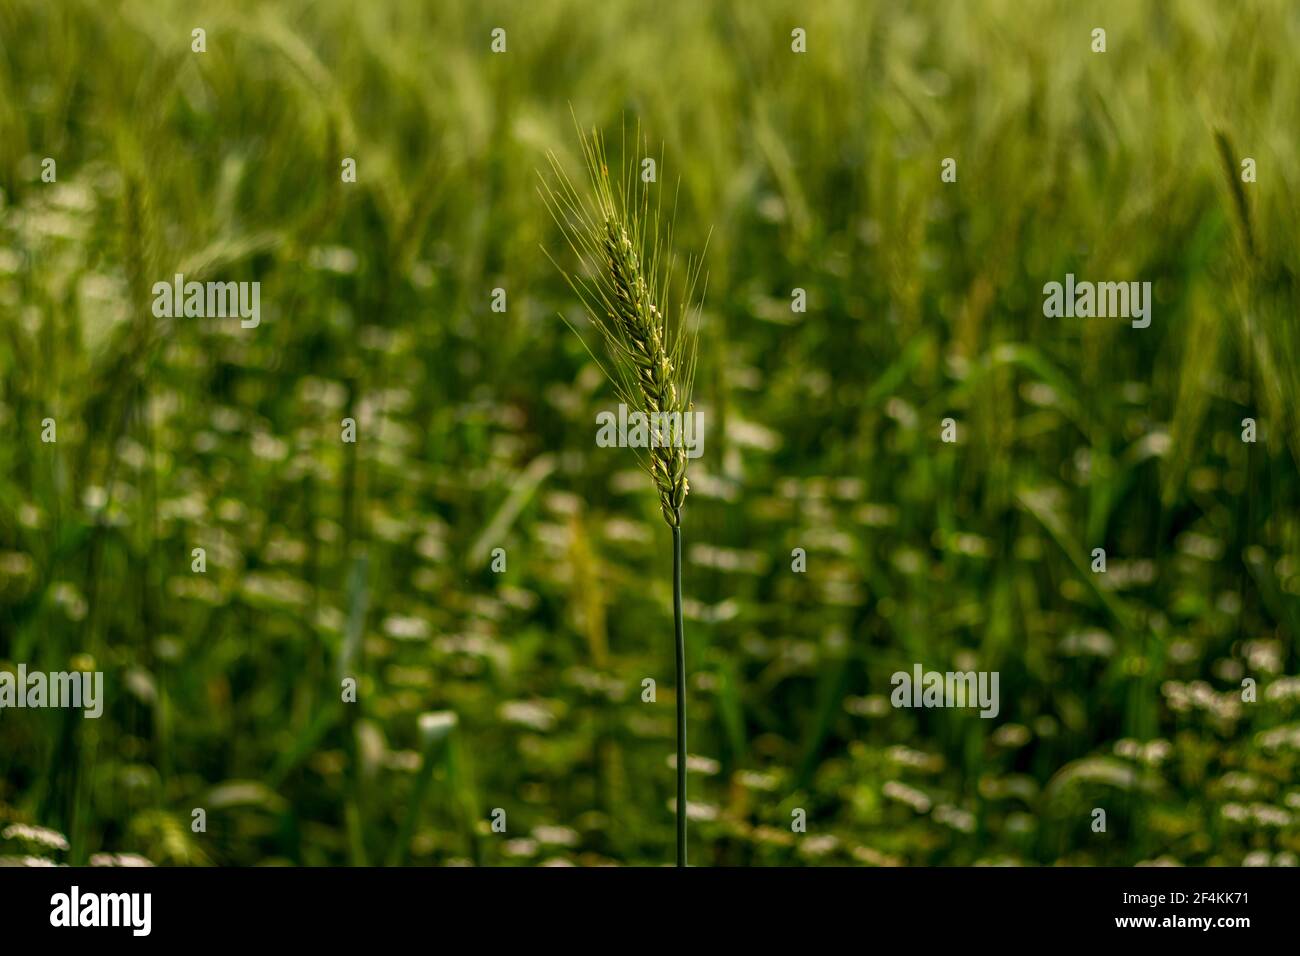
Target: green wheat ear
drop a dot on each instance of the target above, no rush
(642, 327)
(624, 288)
(650, 357)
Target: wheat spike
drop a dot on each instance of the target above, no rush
(650, 360)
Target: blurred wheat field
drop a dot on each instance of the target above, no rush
(522, 690)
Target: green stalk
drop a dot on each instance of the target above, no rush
(681, 695)
(651, 357)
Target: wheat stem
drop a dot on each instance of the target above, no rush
(624, 289)
(681, 695)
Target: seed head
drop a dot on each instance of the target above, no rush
(624, 290)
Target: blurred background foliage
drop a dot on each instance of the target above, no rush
(522, 690)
